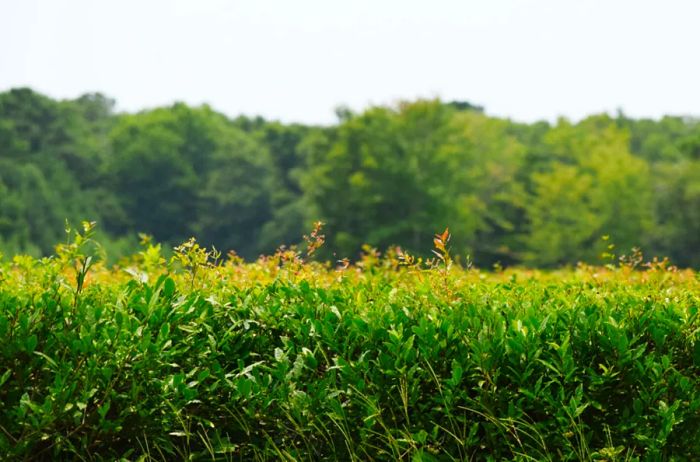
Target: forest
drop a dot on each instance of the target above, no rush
(512, 194)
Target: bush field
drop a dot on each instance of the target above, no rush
(199, 357)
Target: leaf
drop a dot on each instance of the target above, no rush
(168, 288)
(104, 409)
(456, 373)
(48, 359)
(5, 376)
(445, 235)
(31, 343)
(579, 409)
(202, 375)
(107, 372)
(421, 436)
(244, 387)
(164, 331)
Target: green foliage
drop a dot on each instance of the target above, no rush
(595, 187)
(39, 189)
(203, 359)
(512, 194)
(678, 212)
(182, 171)
(379, 180)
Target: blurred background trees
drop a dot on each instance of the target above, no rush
(533, 194)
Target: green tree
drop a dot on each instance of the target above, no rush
(39, 141)
(287, 149)
(594, 187)
(677, 231)
(234, 200)
(379, 178)
(178, 172)
(483, 159)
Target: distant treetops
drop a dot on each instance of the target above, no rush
(511, 193)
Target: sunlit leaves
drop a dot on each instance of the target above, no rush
(391, 357)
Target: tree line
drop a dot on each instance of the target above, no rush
(539, 194)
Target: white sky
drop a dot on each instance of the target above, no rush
(296, 60)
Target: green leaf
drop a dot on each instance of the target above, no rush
(168, 288)
(48, 359)
(164, 332)
(244, 387)
(456, 373)
(104, 409)
(202, 375)
(5, 376)
(31, 343)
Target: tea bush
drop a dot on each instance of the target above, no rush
(200, 358)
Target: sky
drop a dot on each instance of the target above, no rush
(297, 61)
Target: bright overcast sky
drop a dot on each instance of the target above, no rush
(296, 60)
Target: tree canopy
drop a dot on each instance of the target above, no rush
(536, 194)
